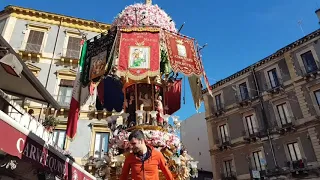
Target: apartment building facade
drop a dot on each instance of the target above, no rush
(263, 121)
(50, 46)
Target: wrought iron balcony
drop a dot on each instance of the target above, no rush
(274, 172)
(311, 72)
(251, 135)
(229, 176)
(244, 99)
(288, 127)
(219, 110)
(223, 142)
(298, 165)
(274, 86)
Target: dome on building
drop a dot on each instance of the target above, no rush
(144, 15)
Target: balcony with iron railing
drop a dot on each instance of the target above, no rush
(298, 165)
(252, 134)
(310, 72)
(244, 99)
(218, 110)
(274, 86)
(229, 176)
(288, 126)
(223, 142)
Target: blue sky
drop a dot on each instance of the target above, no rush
(238, 33)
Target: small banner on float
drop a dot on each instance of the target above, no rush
(99, 51)
(182, 54)
(139, 52)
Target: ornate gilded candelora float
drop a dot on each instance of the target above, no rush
(136, 67)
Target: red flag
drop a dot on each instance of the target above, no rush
(100, 90)
(74, 109)
(173, 97)
(79, 98)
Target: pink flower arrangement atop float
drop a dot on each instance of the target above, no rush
(144, 15)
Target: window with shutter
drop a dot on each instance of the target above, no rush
(273, 78)
(65, 92)
(218, 102)
(317, 95)
(73, 48)
(59, 137)
(224, 135)
(34, 41)
(283, 113)
(227, 167)
(251, 124)
(309, 62)
(257, 158)
(294, 151)
(101, 144)
(244, 93)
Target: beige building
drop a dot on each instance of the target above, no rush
(50, 45)
(263, 121)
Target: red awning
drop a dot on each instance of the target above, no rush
(20, 142)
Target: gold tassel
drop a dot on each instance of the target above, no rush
(127, 79)
(148, 80)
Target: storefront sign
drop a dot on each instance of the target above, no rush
(18, 144)
(41, 155)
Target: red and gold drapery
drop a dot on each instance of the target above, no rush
(182, 54)
(139, 52)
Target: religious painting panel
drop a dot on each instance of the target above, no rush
(139, 52)
(139, 57)
(99, 52)
(98, 64)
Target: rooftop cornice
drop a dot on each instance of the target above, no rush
(273, 56)
(53, 18)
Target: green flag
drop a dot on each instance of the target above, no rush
(83, 56)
